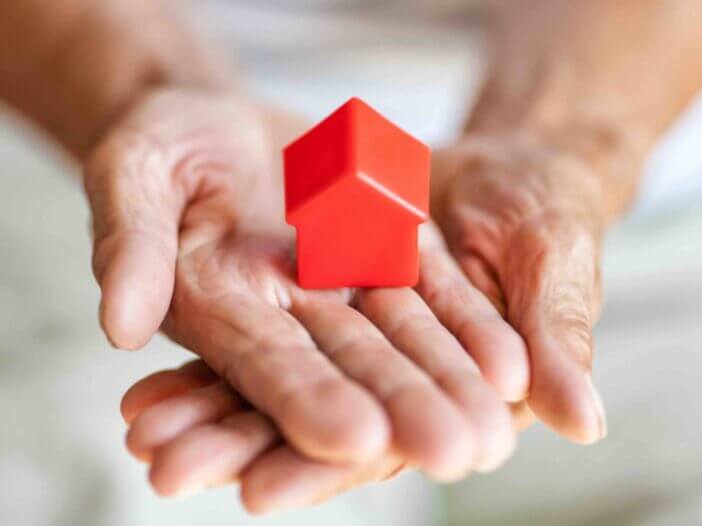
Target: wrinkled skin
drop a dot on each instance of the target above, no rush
(186, 195)
(523, 247)
(525, 225)
(189, 238)
(197, 433)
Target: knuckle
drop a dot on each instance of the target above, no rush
(449, 378)
(408, 387)
(293, 395)
(444, 289)
(125, 157)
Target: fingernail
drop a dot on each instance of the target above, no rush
(188, 491)
(101, 321)
(600, 410)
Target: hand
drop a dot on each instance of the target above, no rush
(220, 441)
(187, 205)
(525, 224)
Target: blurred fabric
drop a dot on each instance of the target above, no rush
(62, 461)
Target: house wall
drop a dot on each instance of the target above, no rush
(354, 236)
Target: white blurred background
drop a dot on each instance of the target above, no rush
(62, 461)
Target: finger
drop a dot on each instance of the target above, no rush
(552, 287)
(283, 479)
(484, 279)
(270, 359)
(428, 430)
(498, 350)
(165, 421)
(210, 455)
(135, 210)
(412, 328)
(162, 385)
(522, 416)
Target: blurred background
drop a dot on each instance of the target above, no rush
(62, 460)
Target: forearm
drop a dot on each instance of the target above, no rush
(73, 66)
(597, 78)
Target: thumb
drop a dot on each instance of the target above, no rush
(135, 210)
(552, 287)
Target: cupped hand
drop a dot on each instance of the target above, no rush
(524, 222)
(187, 205)
(215, 439)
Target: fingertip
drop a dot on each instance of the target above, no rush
(140, 396)
(162, 385)
(522, 416)
(488, 416)
(255, 502)
(508, 369)
(137, 286)
(591, 422)
(133, 445)
(136, 442)
(571, 407)
(599, 410)
(447, 452)
(167, 490)
(123, 325)
(128, 409)
(503, 453)
(283, 479)
(164, 421)
(168, 479)
(442, 466)
(337, 422)
(211, 455)
(503, 359)
(498, 444)
(434, 436)
(271, 483)
(164, 489)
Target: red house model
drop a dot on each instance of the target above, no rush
(356, 190)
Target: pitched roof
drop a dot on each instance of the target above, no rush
(356, 141)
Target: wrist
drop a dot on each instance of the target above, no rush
(82, 70)
(608, 155)
(109, 105)
(156, 53)
(528, 177)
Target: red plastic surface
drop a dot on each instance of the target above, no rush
(356, 190)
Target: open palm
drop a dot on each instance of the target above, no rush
(524, 222)
(186, 200)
